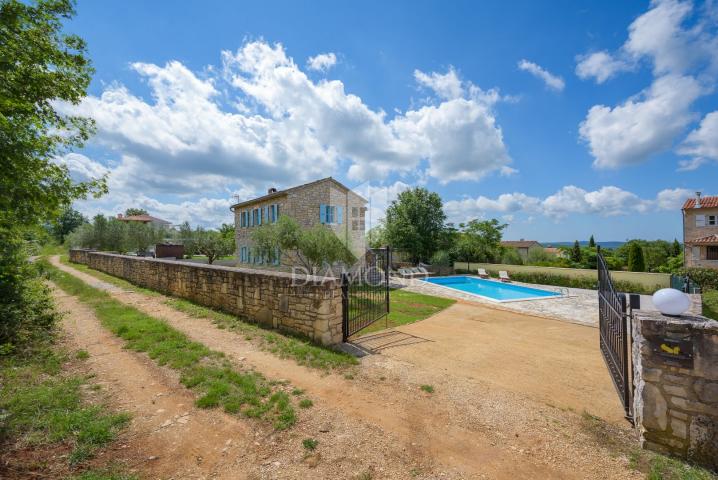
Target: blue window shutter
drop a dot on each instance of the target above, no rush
(339, 215)
(251, 218)
(322, 213)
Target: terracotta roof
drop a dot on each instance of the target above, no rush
(706, 202)
(142, 218)
(520, 243)
(286, 190)
(709, 240)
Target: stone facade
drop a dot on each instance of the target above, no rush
(303, 203)
(676, 391)
(272, 299)
(699, 223)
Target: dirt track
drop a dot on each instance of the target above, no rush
(383, 424)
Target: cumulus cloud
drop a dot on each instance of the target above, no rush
(552, 81)
(607, 201)
(322, 62)
(600, 65)
(260, 120)
(630, 133)
(683, 51)
(701, 144)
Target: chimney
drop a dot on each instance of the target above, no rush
(271, 190)
(698, 200)
(119, 215)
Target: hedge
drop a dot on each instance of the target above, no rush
(706, 278)
(571, 282)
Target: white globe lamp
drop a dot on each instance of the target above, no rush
(670, 301)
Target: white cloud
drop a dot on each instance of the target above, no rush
(379, 197)
(684, 58)
(702, 143)
(630, 133)
(260, 121)
(322, 62)
(552, 81)
(600, 65)
(607, 201)
(82, 168)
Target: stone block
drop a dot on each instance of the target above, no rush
(655, 408)
(679, 428)
(706, 391)
(703, 448)
(678, 391)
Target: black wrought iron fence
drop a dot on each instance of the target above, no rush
(615, 336)
(365, 291)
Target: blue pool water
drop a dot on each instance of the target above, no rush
(493, 289)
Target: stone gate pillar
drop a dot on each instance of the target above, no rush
(675, 371)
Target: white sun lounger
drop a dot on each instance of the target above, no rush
(504, 276)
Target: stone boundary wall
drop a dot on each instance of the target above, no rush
(268, 298)
(676, 391)
(648, 280)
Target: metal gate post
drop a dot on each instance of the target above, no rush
(387, 267)
(345, 307)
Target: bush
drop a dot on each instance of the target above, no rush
(706, 278)
(441, 258)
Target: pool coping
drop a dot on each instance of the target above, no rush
(550, 297)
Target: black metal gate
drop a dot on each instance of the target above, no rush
(365, 291)
(615, 332)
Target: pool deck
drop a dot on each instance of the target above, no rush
(579, 306)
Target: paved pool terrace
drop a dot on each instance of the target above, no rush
(578, 306)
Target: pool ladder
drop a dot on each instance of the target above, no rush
(562, 291)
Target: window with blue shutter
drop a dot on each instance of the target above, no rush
(339, 215)
(322, 213)
(259, 216)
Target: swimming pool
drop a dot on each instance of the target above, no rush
(491, 289)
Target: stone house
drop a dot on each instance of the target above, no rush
(700, 231)
(322, 202)
(522, 246)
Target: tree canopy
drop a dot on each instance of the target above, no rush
(414, 223)
(131, 212)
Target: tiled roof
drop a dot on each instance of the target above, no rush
(142, 218)
(706, 202)
(709, 240)
(519, 243)
(284, 192)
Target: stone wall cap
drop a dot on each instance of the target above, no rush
(688, 319)
(311, 279)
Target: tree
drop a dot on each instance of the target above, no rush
(228, 233)
(213, 244)
(414, 223)
(376, 236)
(41, 67)
(676, 249)
(636, 262)
(141, 236)
(576, 252)
(479, 241)
(313, 248)
(131, 212)
(591, 242)
(69, 220)
(511, 256)
(187, 238)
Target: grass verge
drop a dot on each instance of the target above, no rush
(654, 465)
(710, 304)
(301, 350)
(43, 408)
(205, 371)
(408, 307)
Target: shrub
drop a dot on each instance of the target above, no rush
(707, 278)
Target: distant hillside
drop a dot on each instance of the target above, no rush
(583, 244)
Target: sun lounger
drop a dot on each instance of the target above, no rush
(482, 273)
(504, 276)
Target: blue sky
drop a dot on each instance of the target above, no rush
(566, 120)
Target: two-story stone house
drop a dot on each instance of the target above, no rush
(322, 202)
(700, 231)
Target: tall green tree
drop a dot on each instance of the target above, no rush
(676, 248)
(42, 68)
(68, 221)
(576, 252)
(414, 223)
(213, 244)
(636, 262)
(591, 242)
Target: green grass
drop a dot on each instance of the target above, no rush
(301, 350)
(427, 388)
(42, 405)
(104, 474)
(710, 304)
(205, 371)
(310, 444)
(409, 307)
(82, 355)
(305, 403)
